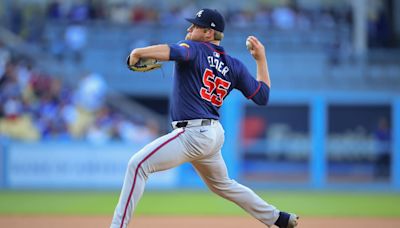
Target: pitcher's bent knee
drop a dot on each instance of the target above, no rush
(136, 165)
(133, 163)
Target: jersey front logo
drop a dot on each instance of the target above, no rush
(214, 88)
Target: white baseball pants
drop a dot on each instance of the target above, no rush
(200, 145)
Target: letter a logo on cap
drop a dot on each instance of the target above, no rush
(199, 13)
(212, 24)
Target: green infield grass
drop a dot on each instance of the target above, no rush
(200, 203)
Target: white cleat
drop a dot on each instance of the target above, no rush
(293, 221)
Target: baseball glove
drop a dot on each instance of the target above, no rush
(144, 65)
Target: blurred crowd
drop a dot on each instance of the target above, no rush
(23, 18)
(35, 106)
(29, 19)
(283, 16)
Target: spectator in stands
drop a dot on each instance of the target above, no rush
(169, 17)
(16, 19)
(284, 17)
(91, 92)
(9, 86)
(326, 18)
(120, 13)
(134, 132)
(79, 12)
(4, 58)
(54, 10)
(102, 130)
(138, 14)
(150, 131)
(242, 18)
(263, 16)
(97, 9)
(48, 112)
(380, 31)
(68, 113)
(75, 40)
(98, 133)
(56, 44)
(13, 121)
(303, 20)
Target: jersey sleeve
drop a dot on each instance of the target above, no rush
(182, 51)
(252, 89)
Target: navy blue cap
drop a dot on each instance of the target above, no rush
(209, 18)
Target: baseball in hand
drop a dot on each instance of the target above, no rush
(248, 44)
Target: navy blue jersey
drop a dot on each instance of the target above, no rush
(203, 76)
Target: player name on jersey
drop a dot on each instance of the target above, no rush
(218, 65)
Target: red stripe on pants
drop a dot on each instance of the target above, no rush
(137, 169)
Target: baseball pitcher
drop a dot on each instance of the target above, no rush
(204, 75)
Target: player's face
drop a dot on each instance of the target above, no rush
(196, 33)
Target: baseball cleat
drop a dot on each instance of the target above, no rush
(292, 221)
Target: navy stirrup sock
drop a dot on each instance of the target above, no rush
(283, 220)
